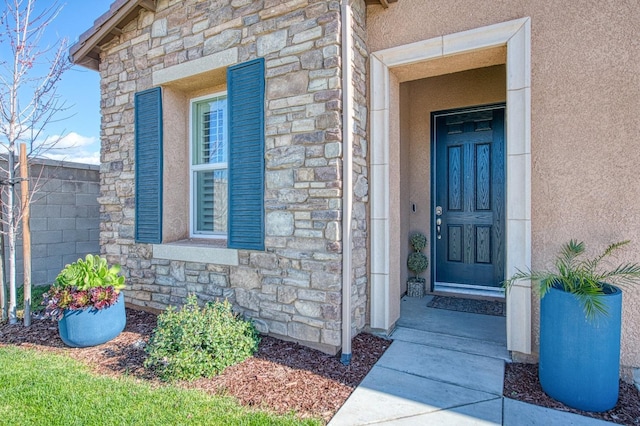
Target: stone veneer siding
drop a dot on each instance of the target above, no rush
(293, 288)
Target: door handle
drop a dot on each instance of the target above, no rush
(438, 222)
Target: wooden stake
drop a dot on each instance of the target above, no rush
(26, 233)
(3, 284)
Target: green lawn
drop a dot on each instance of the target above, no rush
(39, 388)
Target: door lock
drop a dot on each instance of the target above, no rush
(438, 210)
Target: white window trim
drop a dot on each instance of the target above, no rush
(195, 168)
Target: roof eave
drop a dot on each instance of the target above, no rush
(86, 51)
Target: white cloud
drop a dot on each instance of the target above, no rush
(72, 147)
(70, 140)
(82, 157)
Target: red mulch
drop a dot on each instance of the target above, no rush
(281, 377)
(521, 383)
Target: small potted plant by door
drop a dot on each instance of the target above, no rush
(87, 301)
(417, 263)
(580, 324)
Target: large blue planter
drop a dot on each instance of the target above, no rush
(580, 358)
(91, 327)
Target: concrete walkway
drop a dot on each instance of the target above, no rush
(444, 368)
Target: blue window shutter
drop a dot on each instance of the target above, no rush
(148, 139)
(245, 89)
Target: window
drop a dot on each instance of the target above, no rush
(221, 192)
(209, 174)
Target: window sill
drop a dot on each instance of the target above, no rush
(197, 251)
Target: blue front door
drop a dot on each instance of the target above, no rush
(469, 202)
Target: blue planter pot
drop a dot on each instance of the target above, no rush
(580, 358)
(91, 327)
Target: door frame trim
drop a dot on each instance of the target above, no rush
(384, 134)
(455, 287)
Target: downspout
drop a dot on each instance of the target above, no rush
(347, 177)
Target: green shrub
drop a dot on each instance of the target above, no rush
(418, 241)
(199, 342)
(417, 263)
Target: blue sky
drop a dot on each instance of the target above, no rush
(79, 87)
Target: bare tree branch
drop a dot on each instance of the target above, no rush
(29, 77)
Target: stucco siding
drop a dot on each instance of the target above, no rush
(585, 94)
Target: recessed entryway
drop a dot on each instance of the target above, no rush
(468, 181)
(472, 49)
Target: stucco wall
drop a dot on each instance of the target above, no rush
(418, 99)
(584, 101)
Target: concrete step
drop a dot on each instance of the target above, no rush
(449, 366)
(518, 413)
(417, 316)
(388, 396)
(454, 343)
(485, 413)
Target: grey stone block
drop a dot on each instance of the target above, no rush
(46, 211)
(86, 200)
(47, 237)
(94, 234)
(75, 235)
(38, 224)
(39, 277)
(47, 263)
(59, 224)
(62, 199)
(93, 188)
(52, 274)
(61, 249)
(87, 223)
(82, 187)
(271, 42)
(73, 211)
(88, 247)
(70, 258)
(38, 250)
(71, 186)
(303, 332)
(92, 211)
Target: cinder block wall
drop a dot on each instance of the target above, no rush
(65, 218)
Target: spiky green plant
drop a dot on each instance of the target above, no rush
(89, 273)
(585, 278)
